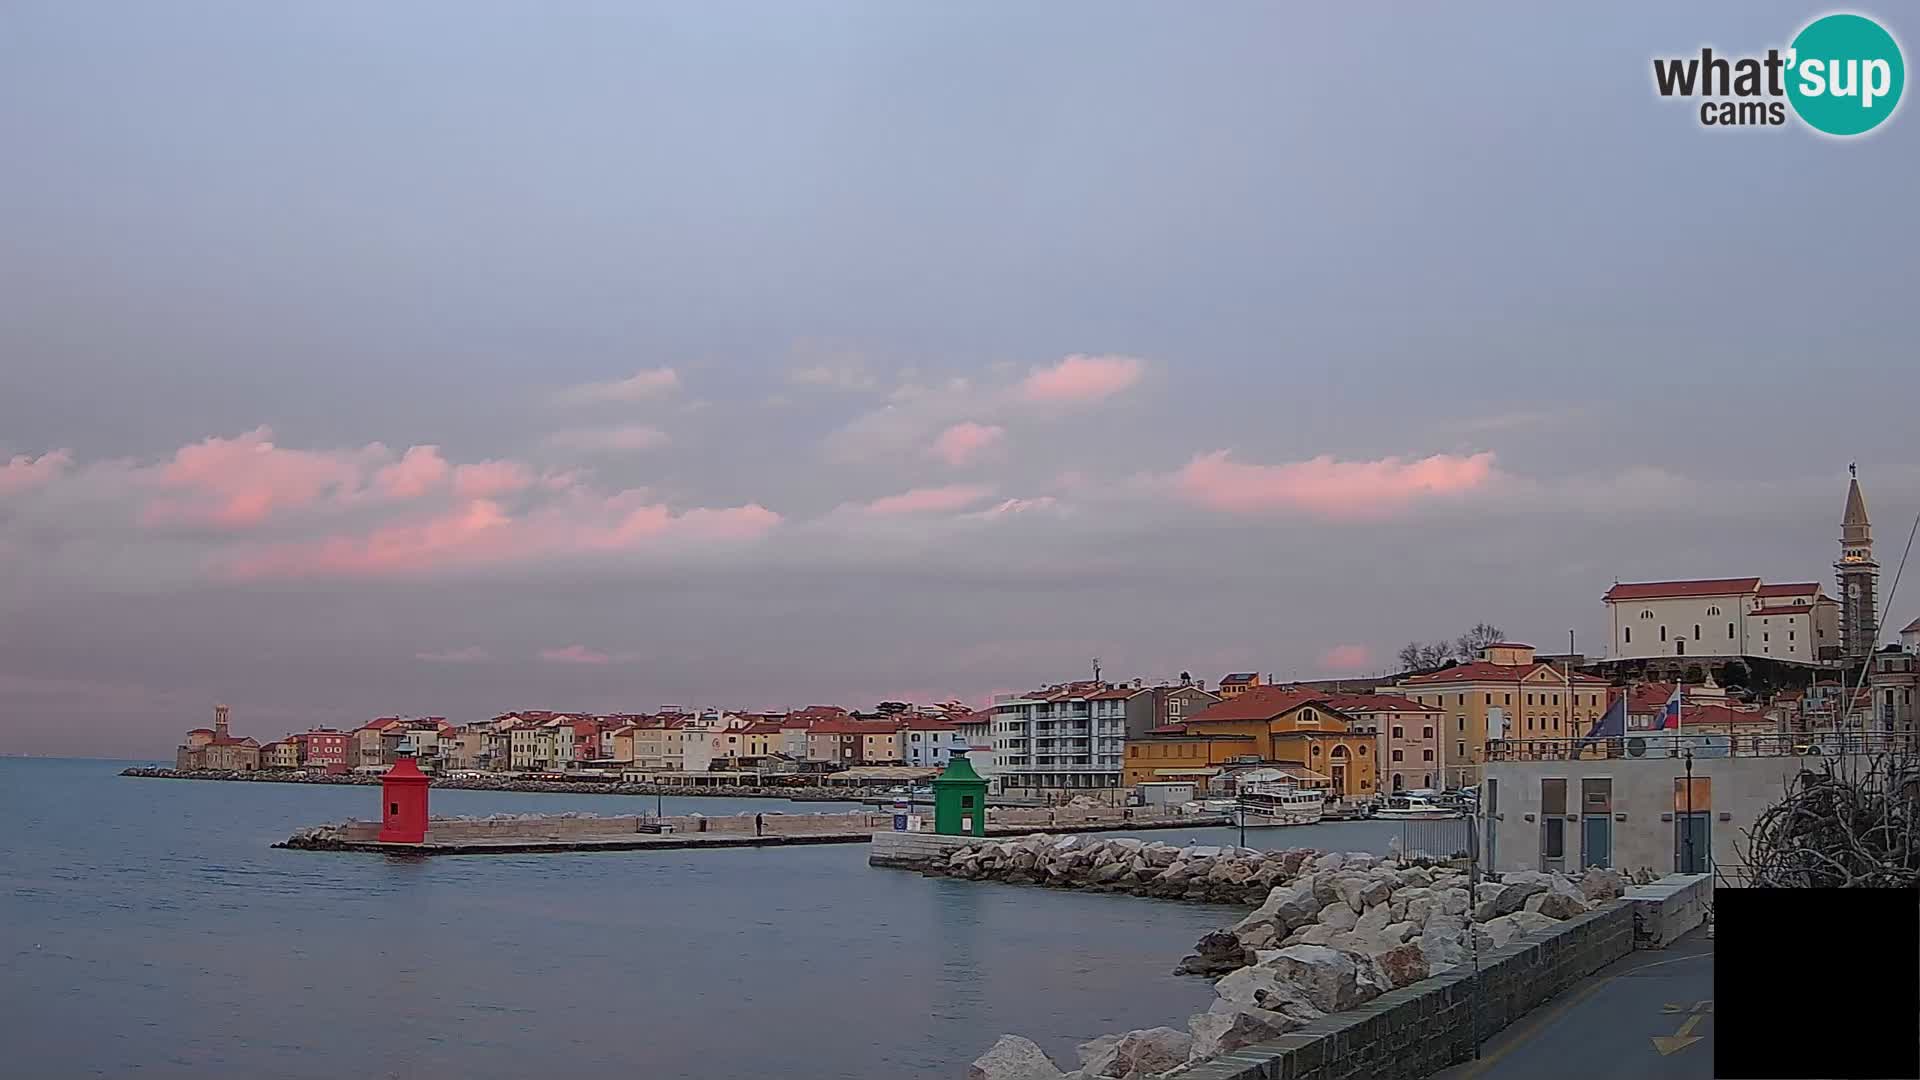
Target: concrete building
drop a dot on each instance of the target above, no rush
(1722, 618)
(1406, 734)
(931, 743)
(1506, 694)
(1893, 690)
(1910, 637)
(1267, 725)
(1630, 812)
(280, 754)
(1064, 738)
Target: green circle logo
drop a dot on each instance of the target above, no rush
(1845, 74)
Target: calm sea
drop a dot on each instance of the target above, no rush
(147, 928)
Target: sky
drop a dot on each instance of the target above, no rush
(451, 358)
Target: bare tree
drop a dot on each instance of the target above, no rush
(1851, 825)
(1420, 656)
(1468, 645)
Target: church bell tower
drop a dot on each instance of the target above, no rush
(1858, 576)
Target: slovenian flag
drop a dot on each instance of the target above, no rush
(1669, 717)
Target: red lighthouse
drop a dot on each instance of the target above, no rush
(403, 793)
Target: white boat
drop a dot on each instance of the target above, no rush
(1278, 804)
(1410, 807)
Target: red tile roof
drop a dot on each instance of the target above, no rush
(762, 728)
(1719, 716)
(1487, 671)
(929, 723)
(1790, 590)
(1117, 694)
(1509, 645)
(1360, 703)
(854, 727)
(1660, 590)
(1259, 703)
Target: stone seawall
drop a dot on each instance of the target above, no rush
(1422, 1028)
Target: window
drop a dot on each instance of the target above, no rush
(1789, 635)
(1663, 633)
(1696, 631)
(1628, 631)
(1529, 699)
(1729, 631)
(1489, 699)
(1397, 755)
(1647, 614)
(1399, 732)
(1460, 750)
(1426, 733)
(1714, 610)
(1508, 700)
(1462, 722)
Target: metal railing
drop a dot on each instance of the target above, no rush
(1704, 744)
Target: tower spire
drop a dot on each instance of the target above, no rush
(1858, 576)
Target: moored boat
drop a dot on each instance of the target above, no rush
(1263, 804)
(1412, 807)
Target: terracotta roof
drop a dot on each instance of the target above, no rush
(1719, 715)
(762, 728)
(854, 727)
(1509, 645)
(1377, 703)
(1259, 703)
(1659, 590)
(1487, 671)
(1912, 627)
(1117, 694)
(1796, 589)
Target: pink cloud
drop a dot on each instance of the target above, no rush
(419, 470)
(1019, 506)
(573, 654)
(472, 654)
(1346, 658)
(482, 533)
(489, 479)
(241, 482)
(1082, 378)
(962, 443)
(1330, 488)
(638, 387)
(22, 473)
(629, 438)
(931, 500)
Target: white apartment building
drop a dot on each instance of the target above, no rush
(1722, 618)
(1060, 739)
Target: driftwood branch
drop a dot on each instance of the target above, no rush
(1850, 825)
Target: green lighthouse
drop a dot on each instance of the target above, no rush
(960, 800)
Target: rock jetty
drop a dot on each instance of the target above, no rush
(1332, 931)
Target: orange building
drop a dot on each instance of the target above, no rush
(1266, 725)
(1232, 686)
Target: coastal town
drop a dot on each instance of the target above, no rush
(1730, 673)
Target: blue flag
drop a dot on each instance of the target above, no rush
(1612, 725)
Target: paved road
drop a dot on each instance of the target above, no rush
(1648, 1015)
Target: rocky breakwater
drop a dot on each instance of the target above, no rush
(1335, 932)
(1200, 873)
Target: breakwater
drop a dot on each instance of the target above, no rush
(1339, 942)
(796, 793)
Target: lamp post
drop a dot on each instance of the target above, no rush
(1686, 829)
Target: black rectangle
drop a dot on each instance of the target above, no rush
(1816, 983)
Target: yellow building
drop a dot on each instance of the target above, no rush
(1506, 694)
(1269, 725)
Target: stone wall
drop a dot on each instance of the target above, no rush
(589, 826)
(914, 851)
(1417, 1030)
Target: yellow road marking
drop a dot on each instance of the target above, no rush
(1679, 1040)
